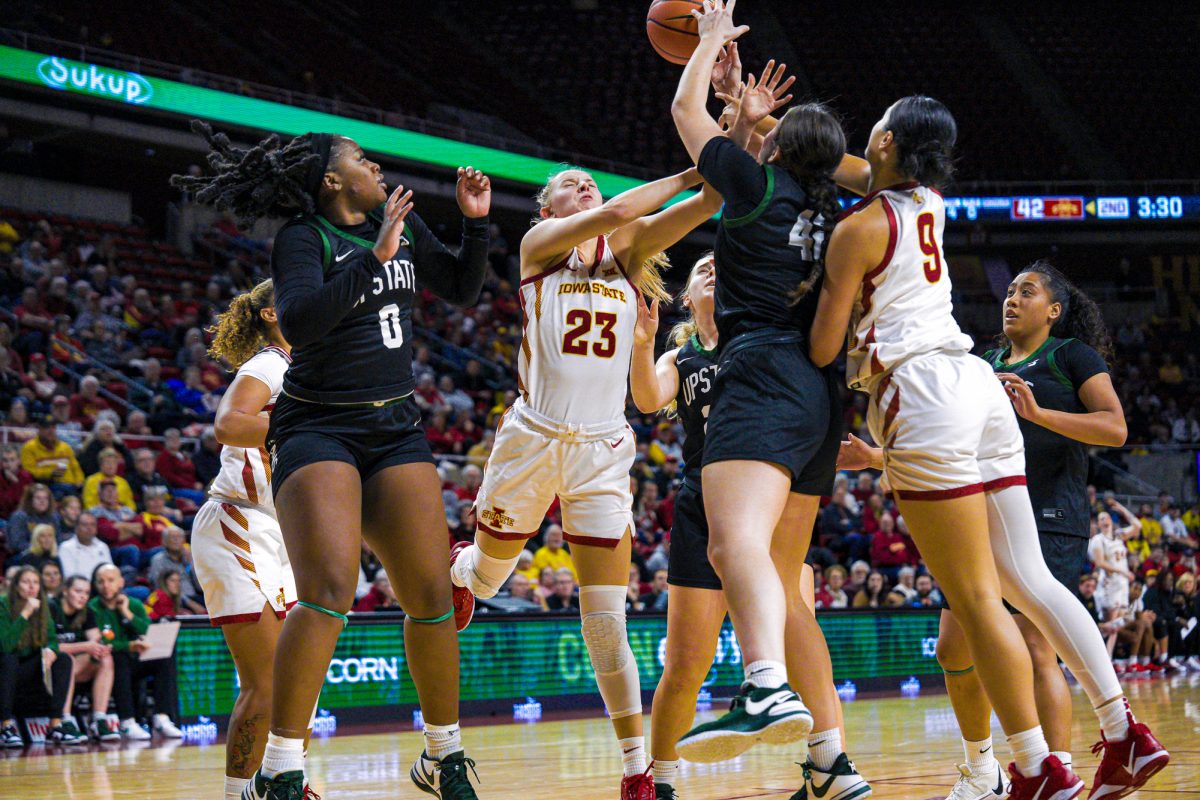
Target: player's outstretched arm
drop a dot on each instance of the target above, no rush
(554, 236)
(652, 385)
(695, 126)
(456, 278)
(637, 241)
(238, 423)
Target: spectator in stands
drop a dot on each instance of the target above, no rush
(177, 467)
(656, 599)
(381, 597)
(52, 461)
(175, 555)
(472, 478)
(79, 637)
(841, 528)
(454, 397)
(428, 398)
(192, 396)
(564, 597)
(6, 343)
(34, 322)
(137, 431)
(156, 398)
(120, 528)
(52, 577)
(125, 618)
(140, 313)
(28, 650)
(68, 429)
(833, 594)
(69, 509)
(208, 457)
(518, 586)
(145, 475)
(904, 591)
(13, 480)
(864, 488)
(37, 508)
(110, 461)
(479, 453)
(83, 552)
(874, 592)
(889, 550)
(1175, 532)
(552, 554)
(18, 422)
(12, 382)
(43, 548)
(927, 596)
(545, 585)
(38, 379)
(166, 601)
(104, 436)
(859, 570)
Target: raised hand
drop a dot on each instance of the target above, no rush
(473, 192)
(715, 20)
(394, 212)
(727, 72)
(761, 98)
(647, 322)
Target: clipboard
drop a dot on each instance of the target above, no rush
(161, 638)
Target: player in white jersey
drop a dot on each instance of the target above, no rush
(952, 450)
(237, 546)
(1108, 552)
(583, 266)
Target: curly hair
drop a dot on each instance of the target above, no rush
(241, 331)
(1080, 319)
(267, 180)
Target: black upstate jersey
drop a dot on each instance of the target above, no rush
(348, 317)
(766, 243)
(1056, 467)
(697, 381)
(71, 628)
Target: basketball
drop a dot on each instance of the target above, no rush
(672, 29)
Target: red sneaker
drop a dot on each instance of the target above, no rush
(1127, 764)
(1153, 667)
(464, 601)
(1120, 669)
(1054, 782)
(309, 794)
(638, 787)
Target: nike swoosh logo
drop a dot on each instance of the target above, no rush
(999, 790)
(984, 750)
(757, 707)
(615, 446)
(343, 256)
(684, 360)
(821, 791)
(1041, 789)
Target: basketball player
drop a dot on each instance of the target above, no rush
(1108, 552)
(759, 478)
(583, 266)
(237, 547)
(952, 449)
(685, 378)
(349, 459)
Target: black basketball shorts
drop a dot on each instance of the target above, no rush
(689, 564)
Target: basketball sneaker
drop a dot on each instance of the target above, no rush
(163, 724)
(66, 732)
(106, 729)
(1054, 782)
(664, 791)
(11, 737)
(639, 787)
(309, 794)
(756, 715)
(131, 730)
(446, 779)
(1127, 765)
(986, 784)
(284, 786)
(464, 601)
(839, 782)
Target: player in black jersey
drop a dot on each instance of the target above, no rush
(685, 378)
(350, 460)
(79, 638)
(773, 429)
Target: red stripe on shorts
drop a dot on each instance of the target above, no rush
(940, 494)
(233, 619)
(506, 536)
(593, 541)
(1004, 483)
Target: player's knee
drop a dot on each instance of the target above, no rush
(426, 599)
(331, 592)
(605, 634)
(953, 655)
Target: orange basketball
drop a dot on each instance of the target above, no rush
(672, 29)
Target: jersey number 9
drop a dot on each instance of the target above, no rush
(579, 323)
(928, 243)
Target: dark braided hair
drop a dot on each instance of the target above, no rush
(267, 180)
(1080, 318)
(925, 133)
(811, 144)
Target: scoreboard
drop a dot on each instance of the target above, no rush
(1073, 208)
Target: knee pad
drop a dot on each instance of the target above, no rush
(603, 611)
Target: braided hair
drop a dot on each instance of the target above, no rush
(268, 180)
(1080, 319)
(811, 144)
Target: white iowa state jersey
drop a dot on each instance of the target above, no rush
(1113, 550)
(245, 474)
(578, 322)
(903, 307)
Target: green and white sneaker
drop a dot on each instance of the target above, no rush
(664, 791)
(446, 779)
(773, 716)
(284, 786)
(839, 782)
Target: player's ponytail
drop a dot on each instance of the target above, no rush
(687, 328)
(1081, 317)
(811, 144)
(925, 133)
(241, 331)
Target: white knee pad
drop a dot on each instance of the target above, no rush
(603, 610)
(479, 572)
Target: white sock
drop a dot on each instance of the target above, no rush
(282, 755)
(1029, 750)
(1114, 719)
(665, 771)
(1063, 756)
(824, 748)
(479, 572)
(234, 786)
(766, 674)
(442, 740)
(1145, 660)
(633, 755)
(980, 755)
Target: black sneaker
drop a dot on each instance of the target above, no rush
(11, 737)
(757, 715)
(66, 733)
(446, 779)
(284, 786)
(664, 791)
(839, 782)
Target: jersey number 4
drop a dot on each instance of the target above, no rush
(929, 246)
(579, 323)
